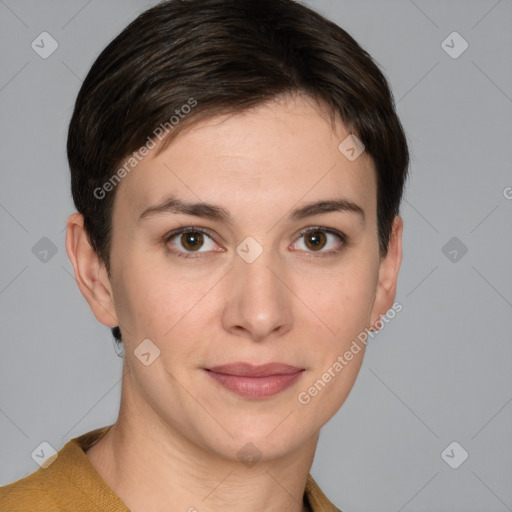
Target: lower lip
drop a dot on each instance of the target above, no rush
(255, 387)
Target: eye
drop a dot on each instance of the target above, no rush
(190, 240)
(187, 241)
(317, 238)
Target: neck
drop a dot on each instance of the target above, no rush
(152, 467)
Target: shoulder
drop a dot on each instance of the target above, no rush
(29, 493)
(65, 481)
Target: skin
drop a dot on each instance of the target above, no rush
(176, 440)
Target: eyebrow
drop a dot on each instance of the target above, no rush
(217, 213)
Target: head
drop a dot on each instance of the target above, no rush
(240, 106)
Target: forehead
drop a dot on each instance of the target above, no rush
(286, 150)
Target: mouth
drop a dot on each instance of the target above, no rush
(252, 381)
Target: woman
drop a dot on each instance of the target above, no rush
(237, 168)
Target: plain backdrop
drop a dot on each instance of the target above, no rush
(439, 373)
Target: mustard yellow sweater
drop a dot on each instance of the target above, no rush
(70, 483)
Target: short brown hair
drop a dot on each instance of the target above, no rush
(227, 55)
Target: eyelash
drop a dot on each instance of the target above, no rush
(314, 229)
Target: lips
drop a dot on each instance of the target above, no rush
(252, 381)
(249, 370)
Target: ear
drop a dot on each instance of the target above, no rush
(90, 273)
(388, 273)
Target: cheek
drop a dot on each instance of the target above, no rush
(345, 306)
(344, 298)
(153, 303)
(142, 300)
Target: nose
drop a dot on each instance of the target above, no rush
(259, 304)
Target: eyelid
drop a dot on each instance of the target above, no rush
(332, 231)
(188, 229)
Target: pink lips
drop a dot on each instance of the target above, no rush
(255, 381)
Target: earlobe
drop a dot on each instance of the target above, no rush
(388, 273)
(90, 274)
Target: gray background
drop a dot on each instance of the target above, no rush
(439, 372)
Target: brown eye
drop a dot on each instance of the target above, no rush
(188, 241)
(324, 241)
(315, 240)
(192, 240)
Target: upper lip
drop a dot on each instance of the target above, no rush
(250, 370)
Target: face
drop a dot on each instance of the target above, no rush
(260, 276)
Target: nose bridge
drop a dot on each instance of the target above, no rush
(259, 275)
(259, 303)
